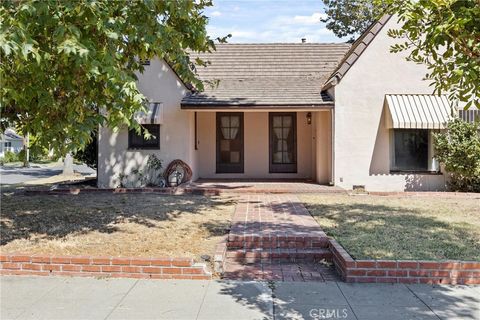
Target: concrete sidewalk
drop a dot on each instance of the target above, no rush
(88, 298)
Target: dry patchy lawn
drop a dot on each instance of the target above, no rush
(401, 227)
(140, 225)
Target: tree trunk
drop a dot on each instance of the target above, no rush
(26, 159)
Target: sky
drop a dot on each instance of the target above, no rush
(260, 21)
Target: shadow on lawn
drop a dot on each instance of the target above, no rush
(388, 232)
(57, 216)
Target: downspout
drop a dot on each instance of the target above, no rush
(330, 85)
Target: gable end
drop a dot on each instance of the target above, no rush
(356, 51)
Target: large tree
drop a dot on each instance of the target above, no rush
(442, 34)
(349, 18)
(445, 36)
(69, 66)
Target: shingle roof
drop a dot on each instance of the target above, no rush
(357, 48)
(267, 75)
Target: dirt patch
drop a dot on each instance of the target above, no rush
(389, 227)
(140, 225)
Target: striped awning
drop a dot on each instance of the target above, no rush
(418, 111)
(154, 115)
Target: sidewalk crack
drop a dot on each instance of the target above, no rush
(203, 299)
(121, 300)
(436, 315)
(348, 302)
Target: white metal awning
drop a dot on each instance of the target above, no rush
(154, 115)
(418, 111)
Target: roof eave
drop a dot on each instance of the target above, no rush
(206, 106)
(331, 82)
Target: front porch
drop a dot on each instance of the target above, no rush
(264, 144)
(261, 186)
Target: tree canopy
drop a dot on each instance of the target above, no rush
(444, 35)
(350, 18)
(62, 62)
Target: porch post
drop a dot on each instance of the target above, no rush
(332, 147)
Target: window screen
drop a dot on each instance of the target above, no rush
(138, 141)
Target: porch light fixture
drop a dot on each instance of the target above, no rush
(309, 118)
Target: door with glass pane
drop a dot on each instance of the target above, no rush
(283, 142)
(229, 142)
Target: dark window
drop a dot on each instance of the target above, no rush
(8, 144)
(138, 141)
(410, 150)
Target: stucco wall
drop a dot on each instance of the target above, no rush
(159, 84)
(362, 146)
(256, 144)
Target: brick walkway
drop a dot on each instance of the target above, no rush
(274, 237)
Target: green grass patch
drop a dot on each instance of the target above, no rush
(427, 228)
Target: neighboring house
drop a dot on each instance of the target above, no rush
(10, 141)
(331, 113)
(471, 115)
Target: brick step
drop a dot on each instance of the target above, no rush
(249, 242)
(268, 255)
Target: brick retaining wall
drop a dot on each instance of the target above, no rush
(403, 271)
(87, 266)
(167, 191)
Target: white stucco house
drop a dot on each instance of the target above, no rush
(338, 114)
(10, 141)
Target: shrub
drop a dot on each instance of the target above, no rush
(150, 176)
(458, 148)
(10, 156)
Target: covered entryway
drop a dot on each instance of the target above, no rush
(262, 113)
(277, 144)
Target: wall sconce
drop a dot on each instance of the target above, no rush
(309, 118)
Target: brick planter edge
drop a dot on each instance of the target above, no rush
(92, 266)
(403, 271)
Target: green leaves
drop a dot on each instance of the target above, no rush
(64, 61)
(459, 150)
(442, 34)
(350, 17)
(445, 36)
